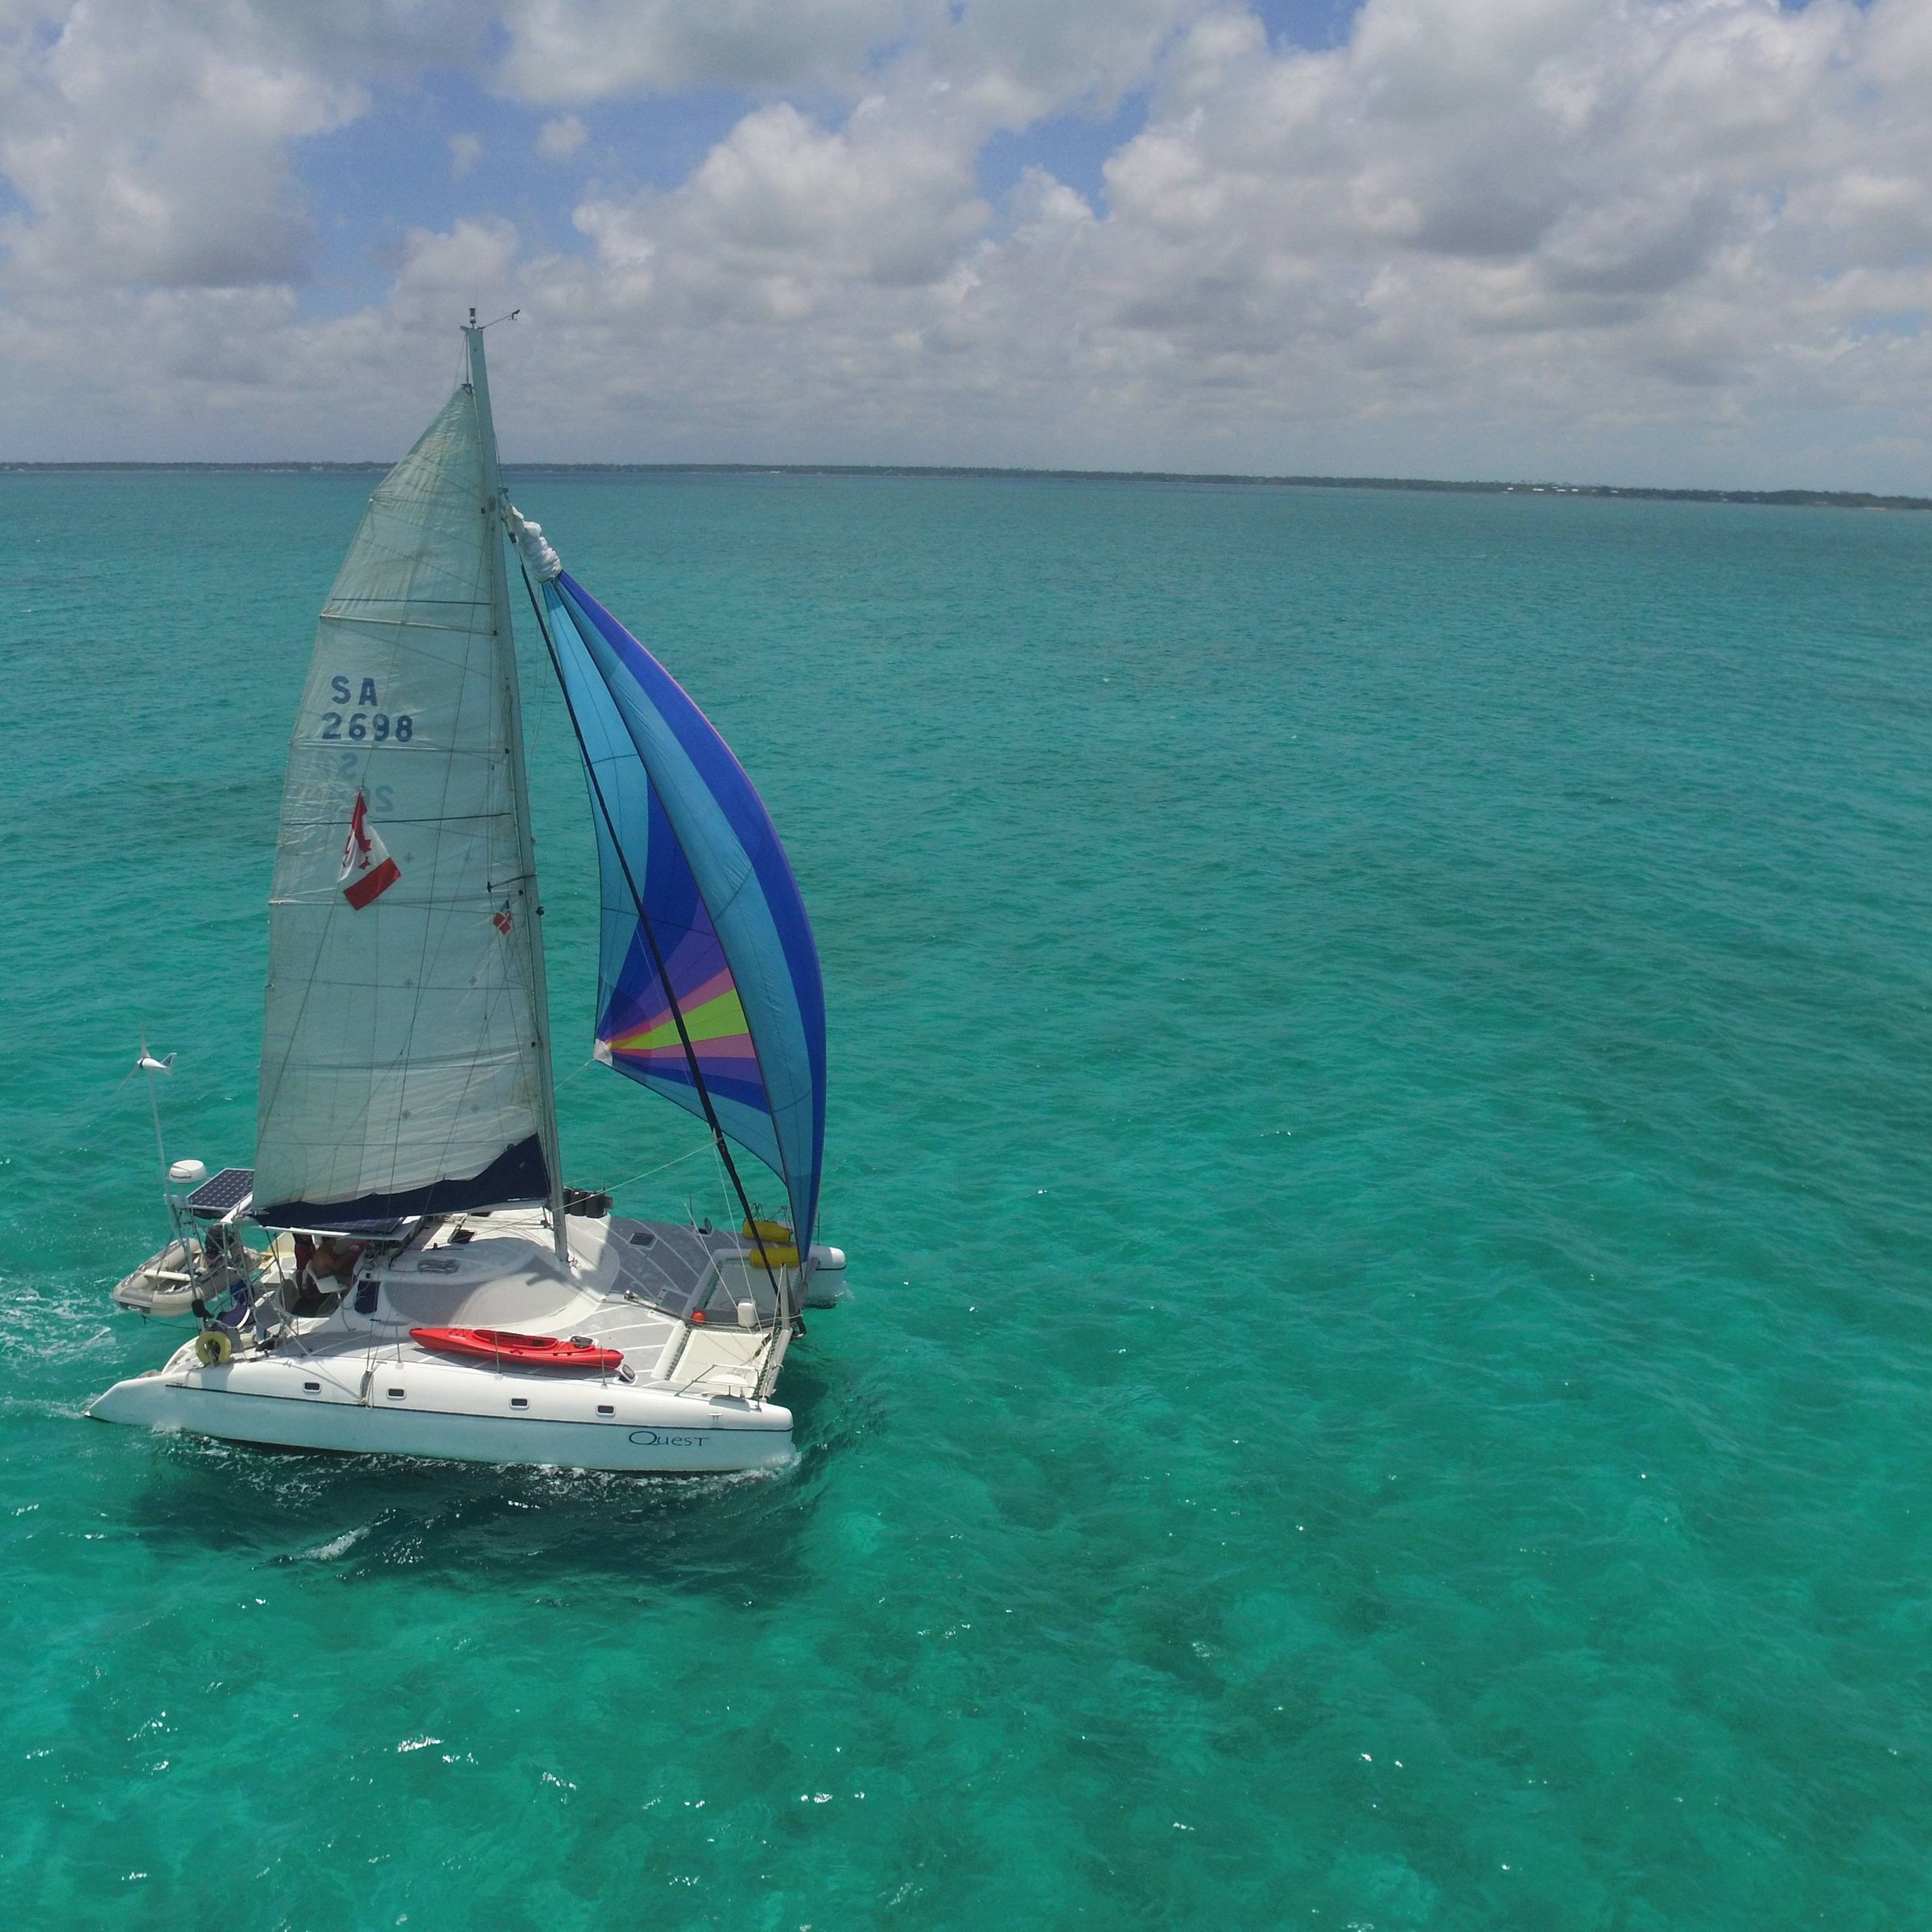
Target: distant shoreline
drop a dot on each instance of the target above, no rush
(1803, 499)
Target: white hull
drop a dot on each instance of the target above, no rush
(680, 1436)
(693, 1399)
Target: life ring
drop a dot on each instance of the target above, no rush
(214, 1347)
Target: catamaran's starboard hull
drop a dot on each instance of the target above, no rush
(706, 1441)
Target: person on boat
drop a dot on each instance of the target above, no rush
(226, 1262)
(325, 1270)
(225, 1267)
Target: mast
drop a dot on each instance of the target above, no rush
(492, 509)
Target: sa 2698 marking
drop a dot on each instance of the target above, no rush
(367, 723)
(362, 727)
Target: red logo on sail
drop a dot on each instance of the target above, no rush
(368, 871)
(501, 919)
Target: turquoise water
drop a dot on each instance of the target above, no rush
(1382, 1111)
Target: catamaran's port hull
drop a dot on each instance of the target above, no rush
(755, 1437)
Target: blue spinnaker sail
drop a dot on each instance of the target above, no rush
(685, 827)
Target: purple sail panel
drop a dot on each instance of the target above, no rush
(636, 1031)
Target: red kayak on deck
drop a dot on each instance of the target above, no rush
(511, 1350)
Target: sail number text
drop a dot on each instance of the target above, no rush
(367, 723)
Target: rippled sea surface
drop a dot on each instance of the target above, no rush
(1381, 1109)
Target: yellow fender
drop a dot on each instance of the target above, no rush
(780, 1244)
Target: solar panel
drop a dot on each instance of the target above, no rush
(222, 1191)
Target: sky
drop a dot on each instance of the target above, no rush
(1651, 241)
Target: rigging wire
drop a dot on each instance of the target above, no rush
(703, 1147)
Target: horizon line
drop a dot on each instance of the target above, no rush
(1791, 498)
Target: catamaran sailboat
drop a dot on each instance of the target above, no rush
(428, 1286)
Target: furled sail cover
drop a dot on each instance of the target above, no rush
(399, 1072)
(720, 899)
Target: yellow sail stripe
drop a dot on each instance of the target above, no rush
(722, 1018)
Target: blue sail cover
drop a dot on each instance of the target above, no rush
(720, 899)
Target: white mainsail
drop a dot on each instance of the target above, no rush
(405, 1065)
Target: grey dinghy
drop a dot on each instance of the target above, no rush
(428, 1287)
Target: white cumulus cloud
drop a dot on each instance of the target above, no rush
(1657, 239)
(574, 50)
(142, 150)
(560, 138)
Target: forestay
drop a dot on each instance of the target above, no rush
(401, 1064)
(678, 818)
